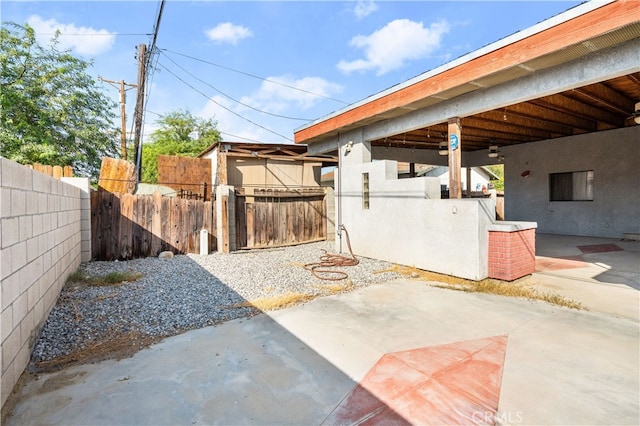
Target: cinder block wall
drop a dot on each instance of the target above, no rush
(40, 246)
(85, 214)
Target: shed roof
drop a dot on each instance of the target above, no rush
(267, 150)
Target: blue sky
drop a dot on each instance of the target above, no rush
(262, 69)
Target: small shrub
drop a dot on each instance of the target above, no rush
(78, 279)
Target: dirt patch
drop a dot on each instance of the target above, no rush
(522, 288)
(59, 381)
(116, 346)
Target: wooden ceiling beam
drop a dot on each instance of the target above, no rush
(503, 128)
(497, 137)
(591, 108)
(547, 114)
(568, 105)
(527, 120)
(607, 97)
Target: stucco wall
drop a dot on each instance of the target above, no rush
(408, 223)
(612, 155)
(40, 245)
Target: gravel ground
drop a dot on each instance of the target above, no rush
(183, 293)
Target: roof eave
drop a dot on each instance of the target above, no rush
(617, 14)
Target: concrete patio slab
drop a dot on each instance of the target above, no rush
(296, 366)
(604, 275)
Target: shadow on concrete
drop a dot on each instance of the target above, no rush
(603, 260)
(252, 371)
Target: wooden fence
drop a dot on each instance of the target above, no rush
(54, 171)
(279, 217)
(125, 226)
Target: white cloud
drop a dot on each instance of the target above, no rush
(233, 126)
(272, 98)
(364, 8)
(227, 32)
(81, 40)
(390, 47)
(279, 97)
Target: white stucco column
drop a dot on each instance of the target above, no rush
(353, 151)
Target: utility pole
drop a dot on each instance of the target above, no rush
(123, 117)
(144, 61)
(142, 77)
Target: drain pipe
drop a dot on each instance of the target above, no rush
(339, 226)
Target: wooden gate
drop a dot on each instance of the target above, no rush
(279, 217)
(125, 226)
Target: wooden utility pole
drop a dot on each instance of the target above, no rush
(144, 60)
(123, 117)
(142, 77)
(455, 158)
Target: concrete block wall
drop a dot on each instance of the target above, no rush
(40, 246)
(85, 214)
(612, 155)
(512, 255)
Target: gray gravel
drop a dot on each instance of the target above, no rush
(185, 292)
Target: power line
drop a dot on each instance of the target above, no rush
(123, 133)
(95, 34)
(220, 131)
(145, 60)
(222, 106)
(231, 98)
(156, 27)
(255, 76)
(240, 137)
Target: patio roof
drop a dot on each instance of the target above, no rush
(591, 96)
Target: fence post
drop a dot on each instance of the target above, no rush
(225, 218)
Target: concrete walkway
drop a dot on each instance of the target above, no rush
(601, 273)
(397, 353)
(303, 365)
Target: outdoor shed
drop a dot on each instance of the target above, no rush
(264, 165)
(269, 195)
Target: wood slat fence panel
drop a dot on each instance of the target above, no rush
(53, 171)
(279, 217)
(126, 226)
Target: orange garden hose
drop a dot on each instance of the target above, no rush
(330, 260)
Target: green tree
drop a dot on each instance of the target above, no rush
(52, 111)
(180, 133)
(498, 169)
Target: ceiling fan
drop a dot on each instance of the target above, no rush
(636, 114)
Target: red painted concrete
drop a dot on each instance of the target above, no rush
(558, 264)
(457, 383)
(599, 248)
